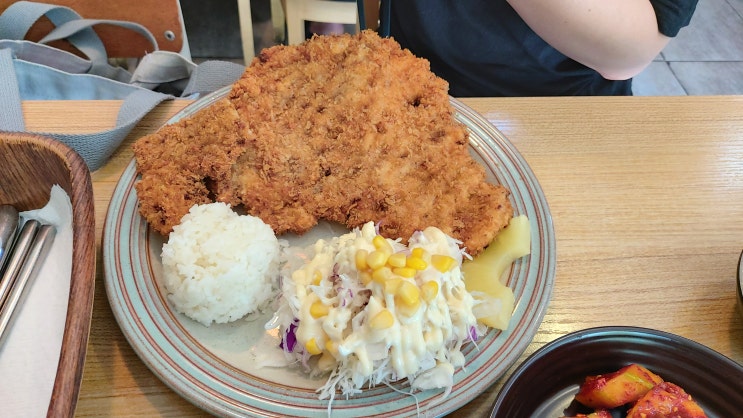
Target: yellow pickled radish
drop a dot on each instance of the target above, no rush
(491, 288)
(511, 243)
(483, 273)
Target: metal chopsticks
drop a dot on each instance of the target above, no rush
(8, 226)
(19, 263)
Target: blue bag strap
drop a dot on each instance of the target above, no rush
(11, 116)
(36, 71)
(81, 32)
(18, 18)
(188, 78)
(34, 80)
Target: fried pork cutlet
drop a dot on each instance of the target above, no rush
(347, 128)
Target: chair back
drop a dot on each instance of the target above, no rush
(162, 18)
(375, 15)
(365, 14)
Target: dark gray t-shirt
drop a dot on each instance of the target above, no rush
(484, 48)
(673, 15)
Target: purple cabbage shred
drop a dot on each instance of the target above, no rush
(473, 333)
(289, 341)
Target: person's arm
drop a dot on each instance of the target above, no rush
(617, 38)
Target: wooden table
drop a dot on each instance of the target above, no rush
(646, 195)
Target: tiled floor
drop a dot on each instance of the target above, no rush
(705, 58)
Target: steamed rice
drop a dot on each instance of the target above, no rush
(220, 266)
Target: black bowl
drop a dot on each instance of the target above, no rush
(545, 383)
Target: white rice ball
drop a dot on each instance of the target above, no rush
(220, 266)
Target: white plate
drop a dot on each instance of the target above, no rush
(216, 368)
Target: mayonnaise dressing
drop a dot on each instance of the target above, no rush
(336, 306)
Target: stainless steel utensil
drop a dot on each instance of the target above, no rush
(29, 249)
(17, 255)
(8, 226)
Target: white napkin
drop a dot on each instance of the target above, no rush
(30, 353)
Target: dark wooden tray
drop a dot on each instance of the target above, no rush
(29, 166)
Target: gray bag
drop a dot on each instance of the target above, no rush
(36, 71)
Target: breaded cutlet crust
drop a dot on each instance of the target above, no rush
(347, 128)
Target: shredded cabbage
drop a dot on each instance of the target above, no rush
(423, 345)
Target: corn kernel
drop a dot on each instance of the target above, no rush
(331, 347)
(382, 274)
(361, 259)
(316, 278)
(326, 362)
(407, 310)
(381, 244)
(312, 347)
(416, 263)
(376, 259)
(429, 290)
(397, 260)
(408, 293)
(418, 252)
(405, 272)
(442, 263)
(382, 320)
(391, 285)
(318, 309)
(365, 277)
